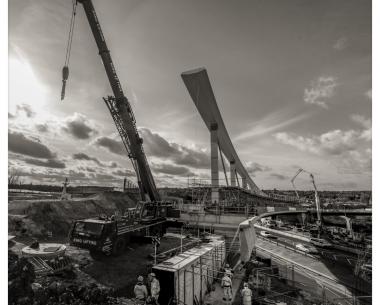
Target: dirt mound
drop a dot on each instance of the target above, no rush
(41, 218)
(25, 288)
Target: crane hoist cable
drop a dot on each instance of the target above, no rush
(65, 69)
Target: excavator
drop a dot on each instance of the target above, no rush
(317, 201)
(151, 216)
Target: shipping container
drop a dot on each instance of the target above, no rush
(187, 277)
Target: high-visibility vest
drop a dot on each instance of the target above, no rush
(226, 281)
(246, 293)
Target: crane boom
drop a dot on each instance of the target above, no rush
(317, 201)
(295, 176)
(121, 111)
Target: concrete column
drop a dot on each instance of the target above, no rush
(232, 173)
(244, 182)
(214, 164)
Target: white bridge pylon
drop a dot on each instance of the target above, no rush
(198, 84)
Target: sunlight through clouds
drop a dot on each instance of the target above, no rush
(24, 86)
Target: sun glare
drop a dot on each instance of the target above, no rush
(24, 87)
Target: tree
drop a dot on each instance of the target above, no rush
(14, 178)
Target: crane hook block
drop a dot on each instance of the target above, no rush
(65, 73)
(65, 76)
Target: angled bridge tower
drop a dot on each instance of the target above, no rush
(198, 84)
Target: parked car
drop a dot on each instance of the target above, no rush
(319, 242)
(307, 248)
(267, 235)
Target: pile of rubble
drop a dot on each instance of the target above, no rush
(25, 288)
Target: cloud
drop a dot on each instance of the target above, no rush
(42, 127)
(321, 90)
(112, 145)
(124, 173)
(156, 146)
(272, 122)
(79, 126)
(20, 144)
(52, 163)
(349, 150)
(254, 167)
(83, 156)
(341, 44)
(279, 176)
(355, 162)
(366, 134)
(27, 109)
(333, 142)
(366, 123)
(113, 164)
(171, 169)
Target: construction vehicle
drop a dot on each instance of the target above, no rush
(110, 235)
(151, 216)
(317, 201)
(292, 181)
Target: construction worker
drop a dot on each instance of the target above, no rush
(227, 286)
(154, 287)
(140, 290)
(228, 269)
(246, 295)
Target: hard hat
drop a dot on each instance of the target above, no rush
(227, 266)
(140, 278)
(245, 284)
(153, 274)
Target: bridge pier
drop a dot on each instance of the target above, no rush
(244, 182)
(232, 173)
(214, 164)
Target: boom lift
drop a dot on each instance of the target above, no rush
(109, 235)
(317, 201)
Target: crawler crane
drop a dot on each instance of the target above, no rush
(151, 216)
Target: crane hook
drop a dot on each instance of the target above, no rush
(65, 76)
(65, 70)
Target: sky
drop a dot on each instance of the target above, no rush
(292, 79)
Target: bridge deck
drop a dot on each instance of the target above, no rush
(338, 277)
